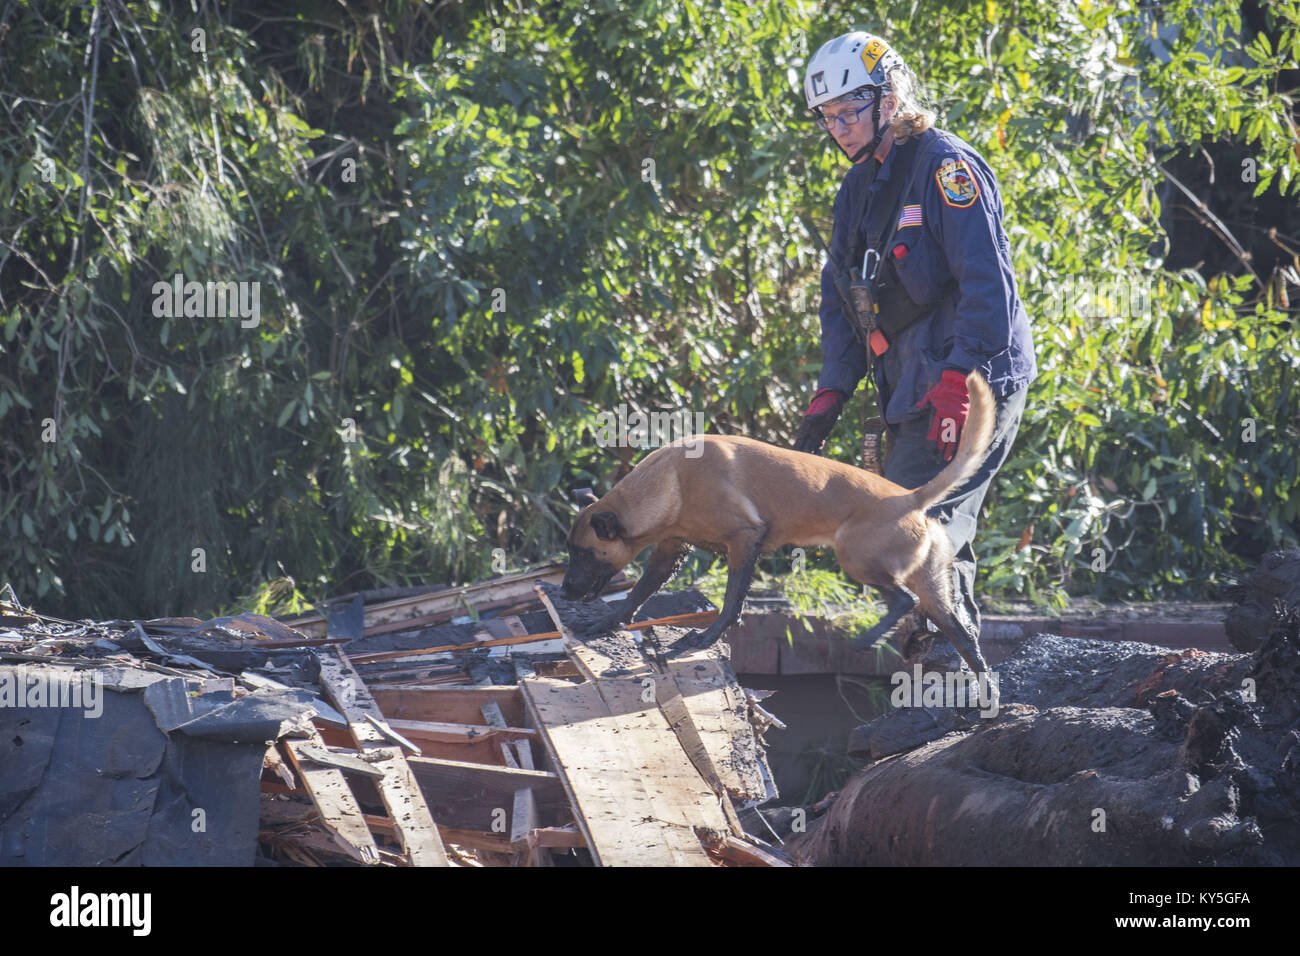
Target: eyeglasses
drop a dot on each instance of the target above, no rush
(848, 117)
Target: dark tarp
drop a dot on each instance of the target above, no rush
(122, 788)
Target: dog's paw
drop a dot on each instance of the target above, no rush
(702, 639)
(690, 641)
(600, 625)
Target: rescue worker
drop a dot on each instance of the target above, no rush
(946, 275)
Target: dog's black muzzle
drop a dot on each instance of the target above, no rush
(585, 578)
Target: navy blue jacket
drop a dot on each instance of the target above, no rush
(958, 258)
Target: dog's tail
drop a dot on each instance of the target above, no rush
(971, 445)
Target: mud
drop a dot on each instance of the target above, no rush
(628, 650)
(438, 636)
(1276, 578)
(1102, 754)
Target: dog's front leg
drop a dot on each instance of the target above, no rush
(664, 561)
(741, 558)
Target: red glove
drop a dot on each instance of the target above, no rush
(824, 400)
(951, 402)
(819, 420)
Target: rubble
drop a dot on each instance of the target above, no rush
(429, 727)
(1276, 578)
(1101, 754)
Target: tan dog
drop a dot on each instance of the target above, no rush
(744, 498)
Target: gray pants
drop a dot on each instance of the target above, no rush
(912, 461)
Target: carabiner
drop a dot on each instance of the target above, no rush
(867, 257)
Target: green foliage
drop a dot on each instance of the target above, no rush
(814, 594)
(478, 226)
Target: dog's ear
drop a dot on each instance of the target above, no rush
(584, 497)
(606, 525)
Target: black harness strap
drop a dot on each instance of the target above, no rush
(889, 199)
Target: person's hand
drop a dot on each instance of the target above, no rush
(818, 421)
(951, 403)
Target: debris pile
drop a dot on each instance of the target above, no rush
(1101, 754)
(420, 727)
(121, 744)
(1277, 578)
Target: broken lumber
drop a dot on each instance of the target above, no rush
(329, 791)
(680, 620)
(635, 796)
(416, 831)
(436, 606)
(699, 694)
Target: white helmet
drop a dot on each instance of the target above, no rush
(846, 63)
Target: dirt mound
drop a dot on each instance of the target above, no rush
(1277, 578)
(1102, 754)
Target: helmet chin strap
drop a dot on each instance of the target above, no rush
(870, 148)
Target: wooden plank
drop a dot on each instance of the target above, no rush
(558, 837)
(275, 763)
(703, 713)
(455, 704)
(478, 839)
(457, 733)
(525, 752)
(483, 750)
(448, 601)
(348, 762)
(685, 797)
(741, 852)
(494, 718)
(338, 808)
(591, 662)
(613, 835)
(401, 794)
(719, 713)
(510, 605)
(695, 618)
(496, 785)
(636, 797)
(523, 816)
(414, 677)
(689, 805)
(389, 734)
(688, 737)
(472, 743)
(370, 674)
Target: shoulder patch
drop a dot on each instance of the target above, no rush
(957, 184)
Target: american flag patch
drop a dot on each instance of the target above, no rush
(911, 216)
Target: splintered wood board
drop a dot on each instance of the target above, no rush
(338, 808)
(635, 795)
(720, 712)
(398, 788)
(435, 606)
(461, 705)
(715, 729)
(591, 662)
